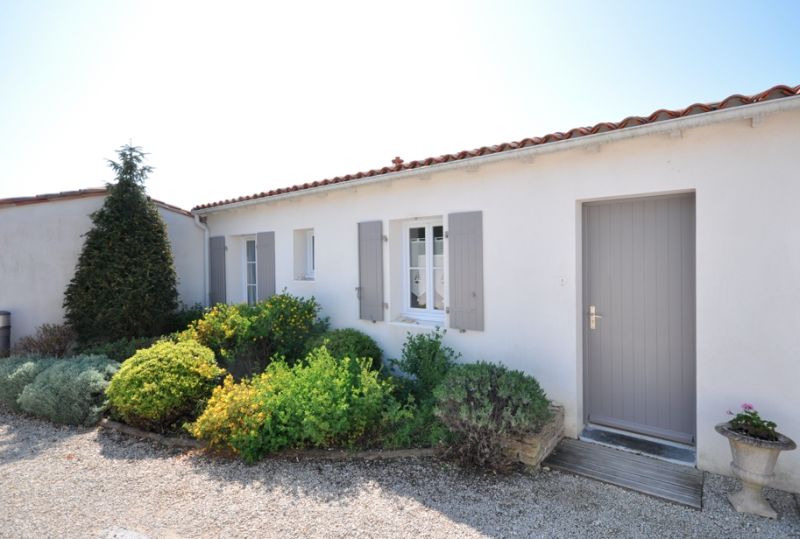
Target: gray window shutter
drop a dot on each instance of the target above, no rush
(216, 270)
(465, 244)
(265, 265)
(370, 270)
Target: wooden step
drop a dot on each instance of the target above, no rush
(672, 482)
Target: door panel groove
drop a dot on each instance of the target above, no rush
(639, 273)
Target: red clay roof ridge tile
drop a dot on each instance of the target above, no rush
(776, 92)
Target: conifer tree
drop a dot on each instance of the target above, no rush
(124, 283)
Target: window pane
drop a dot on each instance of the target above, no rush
(418, 287)
(438, 289)
(251, 273)
(251, 295)
(251, 250)
(417, 247)
(438, 240)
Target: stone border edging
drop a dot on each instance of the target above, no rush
(170, 441)
(321, 454)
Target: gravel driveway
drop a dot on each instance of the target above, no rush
(72, 482)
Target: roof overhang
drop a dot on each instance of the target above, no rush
(63, 196)
(755, 112)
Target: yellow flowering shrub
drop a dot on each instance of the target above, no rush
(321, 402)
(224, 329)
(280, 326)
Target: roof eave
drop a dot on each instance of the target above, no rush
(753, 111)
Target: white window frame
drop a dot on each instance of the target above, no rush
(245, 262)
(428, 314)
(310, 254)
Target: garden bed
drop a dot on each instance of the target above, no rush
(301, 391)
(297, 454)
(529, 450)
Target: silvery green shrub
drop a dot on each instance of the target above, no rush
(70, 391)
(484, 405)
(16, 373)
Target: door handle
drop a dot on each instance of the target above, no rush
(593, 317)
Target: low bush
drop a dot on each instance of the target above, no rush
(245, 337)
(319, 402)
(160, 386)
(427, 360)
(50, 340)
(413, 425)
(119, 350)
(485, 404)
(70, 391)
(16, 373)
(349, 342)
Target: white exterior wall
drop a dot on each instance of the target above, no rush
(39, 249)
(188, 255)
(747, 189)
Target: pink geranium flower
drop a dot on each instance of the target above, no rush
(749, 422)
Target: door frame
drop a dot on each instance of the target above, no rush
(583, 318)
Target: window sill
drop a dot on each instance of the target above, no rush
(407, 321)
(305, 279)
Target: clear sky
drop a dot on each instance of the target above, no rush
(232, 98)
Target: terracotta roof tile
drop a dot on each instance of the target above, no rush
(736, 100)
(50, 197)
(71, 195)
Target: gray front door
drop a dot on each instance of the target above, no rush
(639, 349)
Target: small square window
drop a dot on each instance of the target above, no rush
(304, 254)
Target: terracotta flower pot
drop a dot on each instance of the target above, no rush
(754, 464)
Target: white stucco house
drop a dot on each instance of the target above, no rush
(645, 271)
(41, 239)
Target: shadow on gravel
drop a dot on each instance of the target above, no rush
(118, 446)
(517, 504)
(24, 440)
